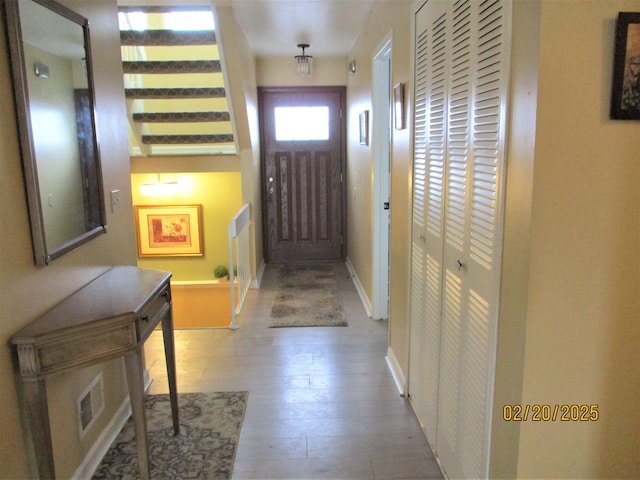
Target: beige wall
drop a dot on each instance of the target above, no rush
(582, 330)
(240, 69)
(281, 72)
(29, 291)
(387, 20)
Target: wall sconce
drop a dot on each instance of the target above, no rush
(159, 189)
(352, 67)
(303, 62)
(41, 70)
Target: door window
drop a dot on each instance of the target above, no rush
(301, 123)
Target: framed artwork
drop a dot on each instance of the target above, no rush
(364, 127)
(398, 106)
(625, 98)
(169, 230)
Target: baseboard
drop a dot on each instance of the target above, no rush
(396, 371)
(102, 444)
(256, 282)
(366, 303)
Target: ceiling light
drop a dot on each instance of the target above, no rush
(303, 61)
(158, 188)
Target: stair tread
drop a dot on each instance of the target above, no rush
(171, 93)
(182, 117)
(134, 38)
(172, 66)
(186, 139)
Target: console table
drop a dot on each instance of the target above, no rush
(110, 317)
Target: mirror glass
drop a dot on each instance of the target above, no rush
(51, 66)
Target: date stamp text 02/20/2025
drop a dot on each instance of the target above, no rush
(550, 413)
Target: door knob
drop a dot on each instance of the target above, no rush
(461, 265)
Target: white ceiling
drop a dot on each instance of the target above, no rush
(275, 27)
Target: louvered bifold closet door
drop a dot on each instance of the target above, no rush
(463, 223)
(430, 117)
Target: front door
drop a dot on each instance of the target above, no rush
(302, 182)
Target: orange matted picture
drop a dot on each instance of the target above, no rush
(169, 230)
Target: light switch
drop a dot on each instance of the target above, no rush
(115, 201)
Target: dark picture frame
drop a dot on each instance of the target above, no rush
(625, 96)
(364, 127)
(398, 106)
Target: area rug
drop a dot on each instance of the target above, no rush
(307, 296)
(205, 448)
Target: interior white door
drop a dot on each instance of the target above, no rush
(428, 214)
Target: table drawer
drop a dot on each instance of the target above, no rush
(153, 312)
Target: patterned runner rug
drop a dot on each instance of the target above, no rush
(205, 449)
(307, 296)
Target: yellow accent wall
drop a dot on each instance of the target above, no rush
(202, 305)
(220, 194)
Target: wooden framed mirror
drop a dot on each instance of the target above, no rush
(54, 99)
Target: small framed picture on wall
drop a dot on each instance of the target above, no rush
(625, 97)
(398, 106)
(169, 230)
(364, 127)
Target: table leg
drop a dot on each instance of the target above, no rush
(169, 353)
(35, 411)
(135, 381)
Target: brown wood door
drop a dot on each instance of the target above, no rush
(303, 194)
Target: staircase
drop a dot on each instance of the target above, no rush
(174, 84)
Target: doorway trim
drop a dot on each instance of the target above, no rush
(381, 148)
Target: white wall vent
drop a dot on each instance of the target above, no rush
(90, 404)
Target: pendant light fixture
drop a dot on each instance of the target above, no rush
(303, 62)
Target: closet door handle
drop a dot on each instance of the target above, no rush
(461, 265)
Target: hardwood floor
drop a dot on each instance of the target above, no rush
(322, 402)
